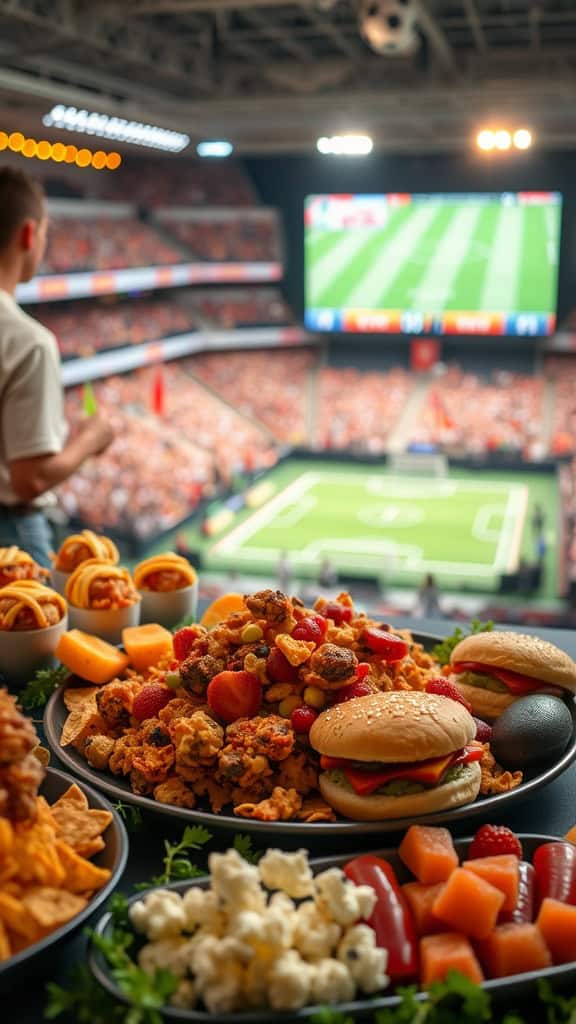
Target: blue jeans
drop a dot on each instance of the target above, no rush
(31, 532)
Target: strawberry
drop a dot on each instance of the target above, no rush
(445, 688)
(302, 719)
(279, 669)
(357, 689)
(150, 700)
(233, 695)
(483, 730)
(183, 641)
(492, 840)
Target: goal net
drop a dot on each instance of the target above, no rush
(419, 464)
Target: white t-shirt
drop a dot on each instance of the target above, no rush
(31, 398)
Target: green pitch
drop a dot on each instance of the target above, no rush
(467, 528)
(440, 256)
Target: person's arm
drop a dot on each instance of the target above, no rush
(33, 476)
(32, 421)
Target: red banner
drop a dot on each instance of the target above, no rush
(424, 353)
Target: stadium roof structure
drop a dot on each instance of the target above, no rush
(273, 76)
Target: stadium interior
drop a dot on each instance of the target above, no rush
(335, 369)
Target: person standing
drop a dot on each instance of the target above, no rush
(429, 598)
(35, 451)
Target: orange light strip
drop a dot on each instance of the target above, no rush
(58, 152)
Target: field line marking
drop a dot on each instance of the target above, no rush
(263, 515)
(509, 544)
(518, 530)
(481, 525)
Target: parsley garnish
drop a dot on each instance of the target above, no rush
(131, 816)
(243, 845)
(176, 866)
(443, 650)
(36, 692)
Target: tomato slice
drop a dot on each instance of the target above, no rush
(515, 681)
(233, 695)
(388, 645)
(475, 752)
(391, 919)
(427, 772)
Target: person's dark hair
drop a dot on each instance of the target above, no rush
(21, 199)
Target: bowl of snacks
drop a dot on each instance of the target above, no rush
(32, 619)
(253, 943)
(16, 565)
(62, 847)
(102, 599)
(169, 588)
(76, 549)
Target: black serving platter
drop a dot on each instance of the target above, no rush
(516, 986)
(36, 960)
(119, 788)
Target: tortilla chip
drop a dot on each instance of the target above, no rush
(90, 847)
(75, 696)
(81, 721)
(42, 754)
(50, 907)
(79, 827)
(5, 947)
(13, 915)
(81, 875)
(315, 809)
(8, 869)
(74, 796)
(36, 855)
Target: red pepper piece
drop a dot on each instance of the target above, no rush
(555, 867)
(523, 912)
(391, 919)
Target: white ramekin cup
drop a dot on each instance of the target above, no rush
(23, 652)
(105, 623)
(169, 607)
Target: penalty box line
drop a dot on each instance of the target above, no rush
(231, 543)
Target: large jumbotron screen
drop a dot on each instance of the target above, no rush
(433, 264)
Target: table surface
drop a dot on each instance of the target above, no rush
(549, 811)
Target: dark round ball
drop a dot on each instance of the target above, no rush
(534, 730)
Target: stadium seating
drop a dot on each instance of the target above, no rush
(228, 308)
(104, 244)
(358, 410)
(159, 467)
(92, 326)
(233, 239)
(468, 414)
(269, 386)
(562, 371)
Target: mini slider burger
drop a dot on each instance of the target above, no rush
(396, 755)
(492, 670)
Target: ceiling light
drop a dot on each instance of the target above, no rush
(485, 140)
(502, 139)
(215, 148)
(522, 138)
(345, 145)
(107, 127)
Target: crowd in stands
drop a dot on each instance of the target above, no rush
(228, 308)
(94, 325)
(357, 410)
(163, 462)
(469, 414)
(562, 370)
(231, 240)
(270, 386)
(76, 244)
(185, 183)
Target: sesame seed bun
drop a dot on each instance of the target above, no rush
(460, 791)
(486, 704)
(393, 727)
(519, 652)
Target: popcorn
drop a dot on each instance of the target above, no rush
(184, 998)
(236, 883)
(345, 902)
(290, 982)
(166, 954)
(332, 982)
(269, 933)
(289, 872)
(159, 915)
(315, 935)
(365, 961)
(201, 908)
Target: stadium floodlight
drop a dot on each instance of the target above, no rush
(345, 145)
(218, 148)
(502, 139)
(522, 138)
(116, 128)
(485, 140)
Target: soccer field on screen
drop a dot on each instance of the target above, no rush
(467, 529)
(438, 256)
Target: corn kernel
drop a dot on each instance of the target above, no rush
(314, 697)
(286, 706)
(251, 633)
